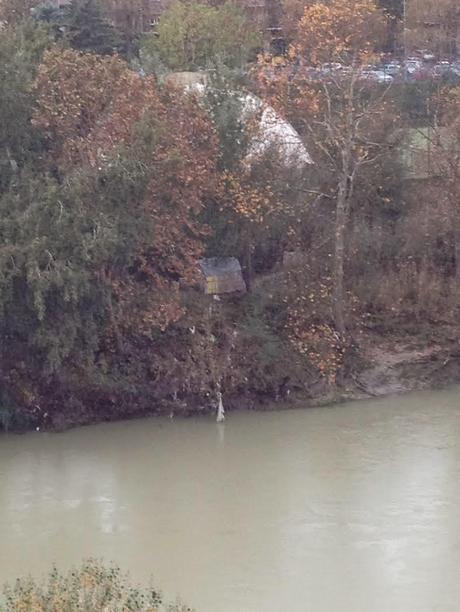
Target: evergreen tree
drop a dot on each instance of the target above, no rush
(21, 49)
(395, 8)
(88, 30)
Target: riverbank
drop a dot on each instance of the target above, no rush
(390, 365)
(399, 365)
(383, 364)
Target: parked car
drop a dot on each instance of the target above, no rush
(426, 55)
(331, 68)
(393, 68)
(413, 65)
(378, 76)
(441, 69)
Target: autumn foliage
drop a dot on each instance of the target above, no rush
(93, 109)
(338, 31)
(75, 91)
(114, 184)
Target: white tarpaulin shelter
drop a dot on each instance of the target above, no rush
(272, 130)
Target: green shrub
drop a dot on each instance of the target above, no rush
(93, 587)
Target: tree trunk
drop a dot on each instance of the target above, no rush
(344, 193)
(454, 217)
(456, 225)
(249, 268)
(339, 256)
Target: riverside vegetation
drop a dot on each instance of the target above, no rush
(93, 587)
(114, 183)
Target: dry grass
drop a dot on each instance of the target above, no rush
(408, 292)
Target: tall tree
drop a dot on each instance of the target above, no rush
(94, 250)
(88, 29)
(193, 36)
(21, 49)
(337, 116)
(167, 130)
(442, 140)
(291, 15)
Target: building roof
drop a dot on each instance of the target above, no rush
(222, 275)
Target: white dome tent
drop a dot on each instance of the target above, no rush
(272, 129)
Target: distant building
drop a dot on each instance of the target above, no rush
(434, 25)
(136, 15)
(142, 15)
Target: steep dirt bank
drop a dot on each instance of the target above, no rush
(389, 365)
(397, 365)
(383, 364)
(386, 364)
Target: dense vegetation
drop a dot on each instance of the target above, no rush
(114, 182)
(93, 587)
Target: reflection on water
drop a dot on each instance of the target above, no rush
(352, 508)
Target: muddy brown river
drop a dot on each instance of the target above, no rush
(353, 508)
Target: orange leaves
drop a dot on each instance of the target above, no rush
(291, 97)
(342, 30)
(97, 112)
(74, 91)
(254, 203)
(310, 333)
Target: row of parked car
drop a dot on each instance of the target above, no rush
(412, 69)
(420, 67)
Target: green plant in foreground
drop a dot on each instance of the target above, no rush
(93, 587)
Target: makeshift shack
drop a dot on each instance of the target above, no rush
(222, 275)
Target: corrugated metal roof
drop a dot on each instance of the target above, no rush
(222, 275)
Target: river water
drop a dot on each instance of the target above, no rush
(353, 508)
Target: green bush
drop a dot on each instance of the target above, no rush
(93, 587)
